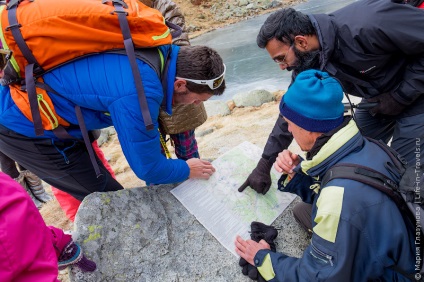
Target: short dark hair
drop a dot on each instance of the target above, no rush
(284, 25)
(200, 62)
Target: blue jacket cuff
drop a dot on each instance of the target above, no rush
(259, 257)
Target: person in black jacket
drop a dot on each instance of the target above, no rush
(376, 51)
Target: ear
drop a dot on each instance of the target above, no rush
(301, 43)
(180, 85)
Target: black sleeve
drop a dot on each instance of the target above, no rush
(401, 28)
(279, 139)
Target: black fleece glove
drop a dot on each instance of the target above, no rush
(250, 271)
(258, 232)
(387, 105)
(260, 178)
(261, 231)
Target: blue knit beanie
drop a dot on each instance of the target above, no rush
(314, 102)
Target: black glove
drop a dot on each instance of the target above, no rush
(250, 270)
(387, 105)
(260, 178)
(258, 232)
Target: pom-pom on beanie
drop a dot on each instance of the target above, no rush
(314, 102)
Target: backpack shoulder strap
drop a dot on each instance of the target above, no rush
(129, 47)
(150, 56)
(158, 61)
(62, 133)
(378, 181)
(367, 176)
(396, 158)
(30, 69)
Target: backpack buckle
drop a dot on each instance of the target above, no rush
(391, 184)
(13, 26)
(401, 159)
(119, 12)
(119, 2)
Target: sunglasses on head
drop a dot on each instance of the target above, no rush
(212, 83)
(5, 56)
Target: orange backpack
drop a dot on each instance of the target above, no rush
(43, 34)
(39, 35)
(59, 31)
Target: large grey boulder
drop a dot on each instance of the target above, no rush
(145, 234)
(216, 108)
(105, 133)
(254, 98)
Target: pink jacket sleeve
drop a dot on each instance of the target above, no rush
(26, 246)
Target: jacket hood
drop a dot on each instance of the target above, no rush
(327, 40)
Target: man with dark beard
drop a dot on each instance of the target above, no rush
(376, 50)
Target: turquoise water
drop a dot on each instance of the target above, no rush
(248, 66)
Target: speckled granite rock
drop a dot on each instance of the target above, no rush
(145, 234)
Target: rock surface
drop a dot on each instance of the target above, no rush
(217, 108)
(254, 98)
(146, 234)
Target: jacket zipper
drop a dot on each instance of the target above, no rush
(330, 258)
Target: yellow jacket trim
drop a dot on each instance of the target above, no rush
(164, 35)
(334, 143)
(162, 60)
(266, 269)
(45, 109)
(4, 44)
(329, 204)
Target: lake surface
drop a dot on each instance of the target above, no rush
(248, 66)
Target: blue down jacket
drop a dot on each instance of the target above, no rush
(103, 86)
(358, 231)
